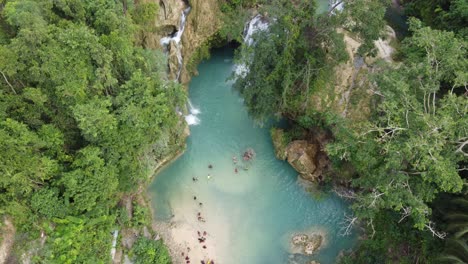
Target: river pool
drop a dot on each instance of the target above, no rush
(249, 216)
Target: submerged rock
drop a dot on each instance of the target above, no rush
(313, 244)
(306, 244)
(300, 239)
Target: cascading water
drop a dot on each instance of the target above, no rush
(176, 39)
(166, 41)
(256, 24)
(192, 118)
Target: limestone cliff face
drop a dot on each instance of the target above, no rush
(203, 20)
(349, 95)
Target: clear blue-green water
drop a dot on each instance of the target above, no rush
(250, 215)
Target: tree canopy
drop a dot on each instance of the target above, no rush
(81, 108)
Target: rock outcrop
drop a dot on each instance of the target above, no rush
(306, 244)
(350, 94)
(306, 156)
(307, 159)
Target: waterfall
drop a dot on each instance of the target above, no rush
(114, 243)
(192, 118)
(176, 39)
(255, 24)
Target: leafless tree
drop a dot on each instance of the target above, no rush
(347, 224)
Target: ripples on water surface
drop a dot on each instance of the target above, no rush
(250, 214)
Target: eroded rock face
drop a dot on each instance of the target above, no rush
(350, 93)
(202, 22)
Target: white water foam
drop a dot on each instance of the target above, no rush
(258, 23)
(192, 118)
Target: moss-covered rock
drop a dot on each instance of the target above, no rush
(280, 142)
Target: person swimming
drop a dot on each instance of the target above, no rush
(210, 166)
(235, 170)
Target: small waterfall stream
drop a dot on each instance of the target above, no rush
(176, 39)
(192, 118)
(256, 24)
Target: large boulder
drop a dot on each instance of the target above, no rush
(307, 158)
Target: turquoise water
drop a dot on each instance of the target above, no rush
(251, 214)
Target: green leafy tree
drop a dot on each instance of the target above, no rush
(413, 147)
(147, 251)
(84, 114)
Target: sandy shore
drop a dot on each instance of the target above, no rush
(180, 234)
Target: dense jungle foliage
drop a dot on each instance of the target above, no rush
(83, 113)
(412, 149)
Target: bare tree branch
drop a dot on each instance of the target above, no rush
(9, 84)
(461, 145)
(406, 212)
(372, 226)
(431, 227)
(347, 224)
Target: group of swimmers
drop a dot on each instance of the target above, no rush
(201, 236)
